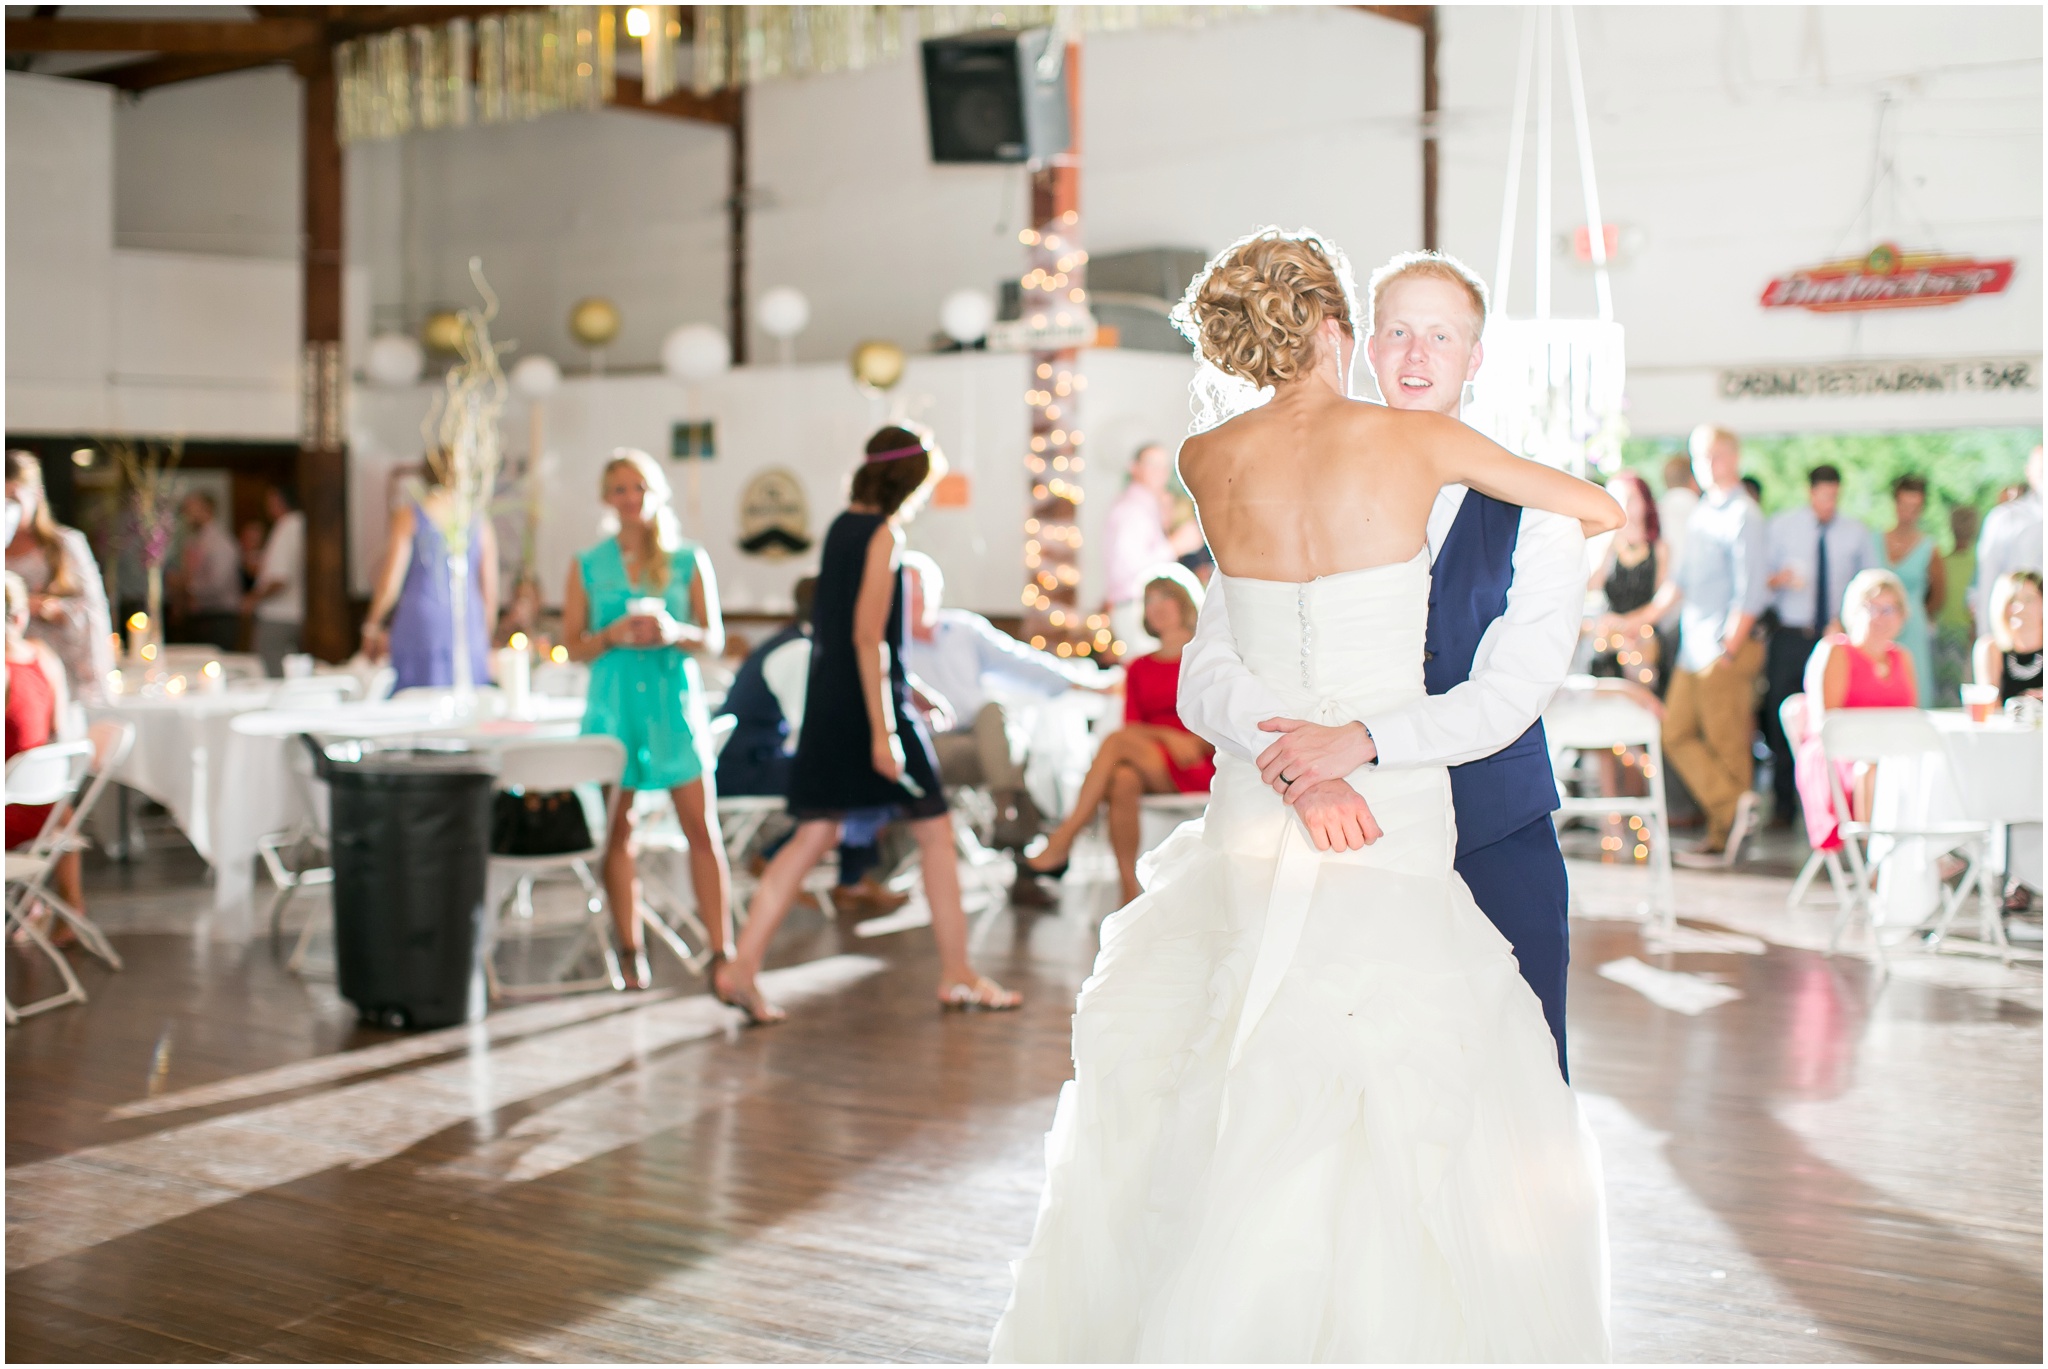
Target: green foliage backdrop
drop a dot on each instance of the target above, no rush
(1961, 466)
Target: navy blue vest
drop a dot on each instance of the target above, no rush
(1468, 588)
(753, 761)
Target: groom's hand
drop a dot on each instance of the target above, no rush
(1336, 817)
(1310, 753)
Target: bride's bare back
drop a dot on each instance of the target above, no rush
(1316, 484)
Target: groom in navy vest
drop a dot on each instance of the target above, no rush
(1506, 589)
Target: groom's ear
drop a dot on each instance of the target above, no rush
(1478, 356)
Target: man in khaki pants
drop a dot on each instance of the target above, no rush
(1720, 585)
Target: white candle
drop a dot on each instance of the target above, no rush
(515, 673)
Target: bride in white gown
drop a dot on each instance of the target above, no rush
(1316, 1112)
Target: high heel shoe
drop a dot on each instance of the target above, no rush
(1039, 848)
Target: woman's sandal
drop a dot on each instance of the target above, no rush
(760, 1012)
(983, 995)
(1039, 848)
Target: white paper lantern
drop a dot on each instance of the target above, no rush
(536, 376)
(783, 312)
(966, 315)
(393, 359)
(695, 352)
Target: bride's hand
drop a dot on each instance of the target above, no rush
(1336, 817)
(1310, 753)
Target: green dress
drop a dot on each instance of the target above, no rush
(1914, 635)
(647, 697)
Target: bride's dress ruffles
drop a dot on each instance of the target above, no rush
(1316, 1113)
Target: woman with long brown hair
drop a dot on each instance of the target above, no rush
(67, 600)
(644, 688)
(863, 746)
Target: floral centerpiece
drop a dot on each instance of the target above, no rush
(149, 515)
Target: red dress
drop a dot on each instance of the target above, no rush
(1151, 688)
(1867, 689)
(31, 721)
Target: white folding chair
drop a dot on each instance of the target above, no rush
(549, 767)
(73, 776)
(1873, 736)
(1160, 815)
(1796, 723)
(298, 857)
(1586, 718)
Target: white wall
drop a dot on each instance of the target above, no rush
(60, 244)
(813, 420)
(211, 166)
(1738, 143)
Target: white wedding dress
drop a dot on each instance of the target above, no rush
(1316, 1113)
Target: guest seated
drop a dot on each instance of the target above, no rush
(1864, 667)
(2010, 657)
(37, 703)
(954, 656)
(1153, 753)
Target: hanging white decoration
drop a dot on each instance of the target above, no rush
(695, 352)
(783, 312)
(537, 376)
(393, 359)
(966, 316)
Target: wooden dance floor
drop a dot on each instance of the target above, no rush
(211, 1161)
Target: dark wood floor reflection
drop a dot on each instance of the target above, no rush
(211, 1161)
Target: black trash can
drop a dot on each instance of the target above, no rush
(411, 834)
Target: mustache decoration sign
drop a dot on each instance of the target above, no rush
(775, 517)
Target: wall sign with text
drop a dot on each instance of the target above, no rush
(1849, 379)
(775, 518)
(1887, 278)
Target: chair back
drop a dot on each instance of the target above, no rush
(1875, 734)
(1792, 719)
(552, 765)
(47, 774)
(722, 728)
(1593, 720)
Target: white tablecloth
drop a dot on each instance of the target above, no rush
(179, 742)
(266, 795)
(1989, 772)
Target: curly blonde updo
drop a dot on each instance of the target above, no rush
(1254, 312)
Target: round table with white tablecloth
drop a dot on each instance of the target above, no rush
(179, 741)
(1987, 772)
(265, 796)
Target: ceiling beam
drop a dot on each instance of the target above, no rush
(1415, 16)
(168, 71)
(721, 107)
(249, 38)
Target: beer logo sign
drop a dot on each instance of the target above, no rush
(775, 518)
(1887, 278)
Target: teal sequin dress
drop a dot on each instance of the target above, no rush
(1914, 634)
(647, 697)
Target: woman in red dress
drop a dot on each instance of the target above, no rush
(1861, 668)
(37, 698)
(1153, 753)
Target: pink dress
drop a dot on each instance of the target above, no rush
(1867, 689)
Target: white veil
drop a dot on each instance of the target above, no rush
(1215, 396)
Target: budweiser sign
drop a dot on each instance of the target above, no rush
(1887, 279)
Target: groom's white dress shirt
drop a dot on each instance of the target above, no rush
(1521, 660)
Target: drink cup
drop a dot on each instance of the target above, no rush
(1980, 700)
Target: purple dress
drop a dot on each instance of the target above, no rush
(422, 623)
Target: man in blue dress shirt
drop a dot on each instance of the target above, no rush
(1815, 551)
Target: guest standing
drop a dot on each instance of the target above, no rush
(1815, 551)
(863, 744)
(1153, 753)
(2011, 541)
(37, 703)
(1137, 540)
(643, 685)
(1720, 588)
(412, 615)
(1638, 563)
(1863, 667)
(1909, 554)
(208, 578)
(2009, 656)
(278, 603)
(67, 599)
(1955, 629)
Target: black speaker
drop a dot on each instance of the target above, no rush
(989, 102)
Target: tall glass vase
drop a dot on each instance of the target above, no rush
(464, 695)
(150, 644)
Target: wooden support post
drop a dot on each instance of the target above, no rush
(329, 630)
(736, 231)
(1429, 130)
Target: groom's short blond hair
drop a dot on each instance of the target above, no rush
(1434, 266)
